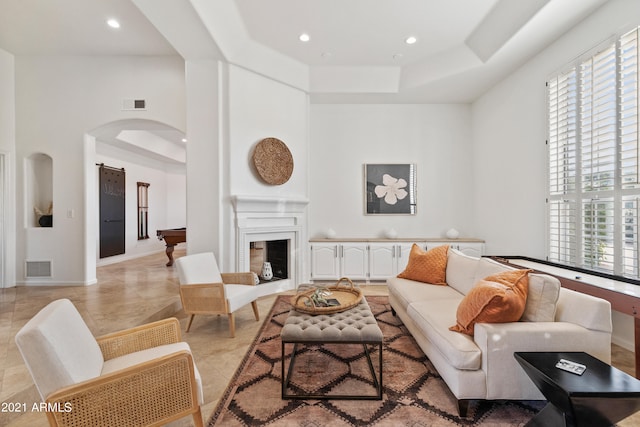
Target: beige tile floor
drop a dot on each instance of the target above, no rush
(132, 293)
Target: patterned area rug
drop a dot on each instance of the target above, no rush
(414, 393)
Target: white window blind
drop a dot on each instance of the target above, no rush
(594, 185)
(598, 235)
(630, 236)
(563, 236)
(628, 59)
(598, 120)
(562, 133)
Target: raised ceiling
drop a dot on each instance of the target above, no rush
(362, 32)
(356, 51)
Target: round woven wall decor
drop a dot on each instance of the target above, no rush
(273, 161)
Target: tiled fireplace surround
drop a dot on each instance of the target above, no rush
(262, 218)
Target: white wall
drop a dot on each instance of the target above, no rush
(436, 138)
(258, 108)
(510, 157)
(509, 133)
(58, 100)
(176, 200)
(7, 169)
(167, 202)
(261, 108)
(204, 159)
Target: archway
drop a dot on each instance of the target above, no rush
(148, 151)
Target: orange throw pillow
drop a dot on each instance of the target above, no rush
(498, 298)
(428, 267)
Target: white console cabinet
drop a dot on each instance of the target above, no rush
(373, 259)
(325, 264)
(331, 261)
(389, 259)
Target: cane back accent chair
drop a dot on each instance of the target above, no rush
(204, 290)
(141, 376)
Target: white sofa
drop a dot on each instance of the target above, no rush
(483, 366)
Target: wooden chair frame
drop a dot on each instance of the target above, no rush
(210, 298)
(152, 393)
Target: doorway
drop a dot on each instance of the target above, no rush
(112, 211)
(149, 151)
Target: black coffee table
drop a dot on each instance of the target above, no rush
(601, 396)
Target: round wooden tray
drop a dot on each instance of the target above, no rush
(348, 295)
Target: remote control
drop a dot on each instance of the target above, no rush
(569, 366)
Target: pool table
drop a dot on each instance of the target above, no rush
(171, 238)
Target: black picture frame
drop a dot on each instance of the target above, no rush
(390, 189)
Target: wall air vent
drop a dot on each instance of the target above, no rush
(134, 104)
(38, 269)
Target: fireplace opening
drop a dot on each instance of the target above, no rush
(275, 252)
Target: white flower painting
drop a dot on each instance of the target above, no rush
(390, 189)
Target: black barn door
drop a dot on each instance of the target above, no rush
(112, 189)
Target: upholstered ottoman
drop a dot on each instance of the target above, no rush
(354, 326)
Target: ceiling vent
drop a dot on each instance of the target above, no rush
(38, 269)
(134, 105)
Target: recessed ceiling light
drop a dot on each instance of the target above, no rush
(113, 23)
(410, 40)
(304, 37)
(184, 139)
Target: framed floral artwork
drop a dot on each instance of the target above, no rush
(390, 189)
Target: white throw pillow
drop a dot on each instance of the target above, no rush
(542, 298)
(488, 267)
(461, 270)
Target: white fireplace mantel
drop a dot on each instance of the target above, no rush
(266, 204)
(260, 218)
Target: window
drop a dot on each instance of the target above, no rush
(143, 210)
(594, 161)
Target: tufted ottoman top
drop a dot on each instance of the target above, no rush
(354, 325)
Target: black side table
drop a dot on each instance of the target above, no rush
(601, 396)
